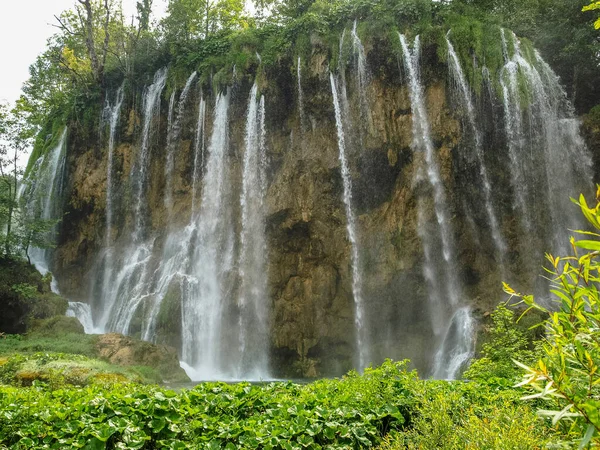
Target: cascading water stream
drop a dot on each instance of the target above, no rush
(460, 79)
(113, 114)
(170, 157)
(211, 262)
(362, 76)
(139, 170)
(83, 313)
(252, 301)
(173, 139)
(45, 199)
(199, 147)
(545, 148)
(301, 97)
(457, 347)
(359, 307)
(439, 230)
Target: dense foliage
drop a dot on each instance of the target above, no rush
(567, 374)
(352, 412)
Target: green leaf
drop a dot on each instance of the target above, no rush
(587, 437)
(588, 245)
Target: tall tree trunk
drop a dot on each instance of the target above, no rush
(96, 63)
(89, 37)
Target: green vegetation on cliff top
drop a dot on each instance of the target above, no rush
(70, 79)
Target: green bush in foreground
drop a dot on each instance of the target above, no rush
(567, 375)
(459, 415)
(353, 412)
(386, 406)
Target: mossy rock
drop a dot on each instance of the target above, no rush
(58, 325)
(48, 305)
(127, 351)
(59, 369)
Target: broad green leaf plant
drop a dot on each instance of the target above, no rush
(567, 376)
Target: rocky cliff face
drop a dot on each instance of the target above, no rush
(312, 329)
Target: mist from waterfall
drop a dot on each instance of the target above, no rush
(445, 296)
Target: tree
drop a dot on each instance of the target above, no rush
(506, 342)
(11, 145)
(192, 19)
(144, 9)
(21, 230)
(97, 63)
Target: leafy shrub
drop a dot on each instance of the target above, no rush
(458, 415)
(352, 412)
(567, 375)
(507, 342)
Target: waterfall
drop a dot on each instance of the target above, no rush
(128, 284)
(460, 79)
(253, 298)
(199, 147)
(83, 313)
(139, 170)
(437, 232)
(545, 149)
(170, 157)
(45, 199)
(457, 346)
(113, 114)
(204, 293)
(359, 307)
(173, 139)
(362, 77)
(301, 98)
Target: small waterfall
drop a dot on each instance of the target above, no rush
(45, 199)
(359, 307)
(83, 313)
(301, 98)
(362, 77)
(204, 291)
(113, 114)
(253, 298)
(173, 138)
(139, 170)
(199, 148)
(170, 157)
(457, 346)
(460, 80)
(437, 233)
